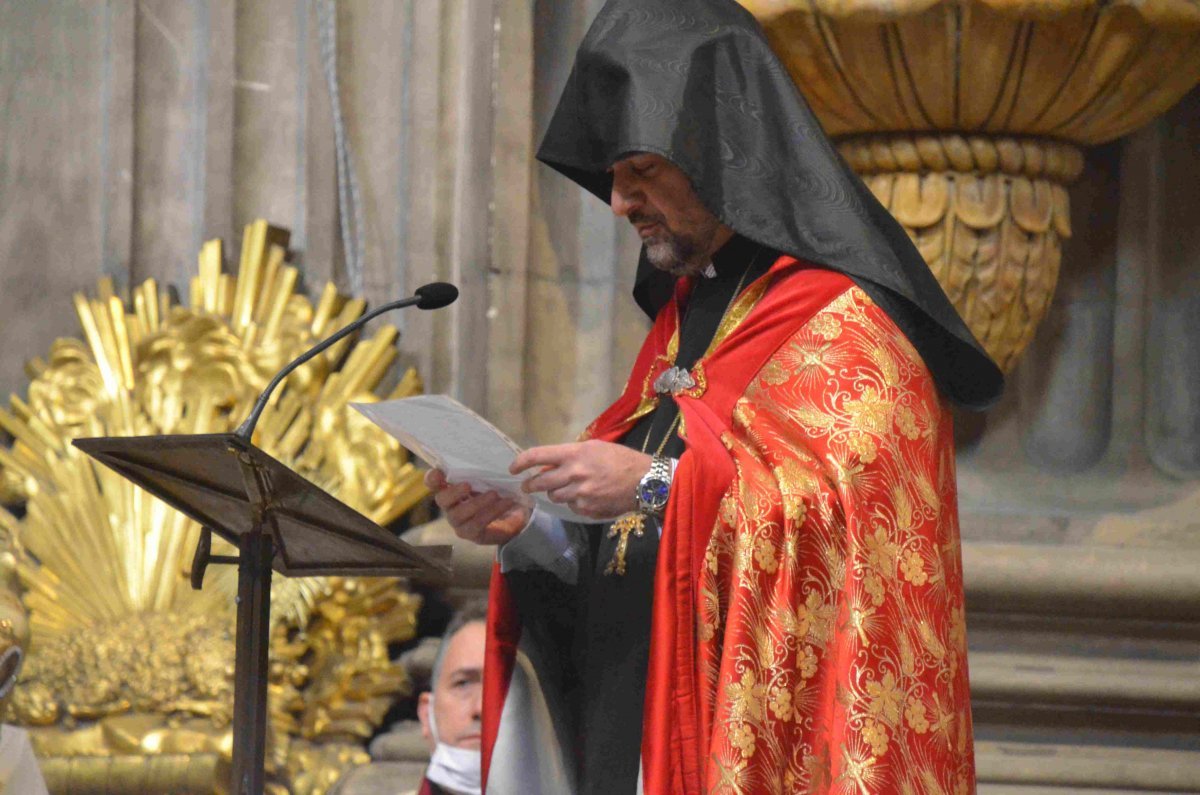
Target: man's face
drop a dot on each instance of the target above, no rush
(679, 232)
(458, 699)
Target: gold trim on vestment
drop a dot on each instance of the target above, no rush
(741, 307)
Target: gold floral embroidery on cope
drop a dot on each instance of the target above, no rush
(830, 618)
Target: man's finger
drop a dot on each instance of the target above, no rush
(550, 455)
(485, 518)
(488, 508)
(471, 531)
(548, 480)
(466, 512)
(435, 479)
(472, 505)
(564, 495)
(450, 496)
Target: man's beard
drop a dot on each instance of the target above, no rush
(680, 254)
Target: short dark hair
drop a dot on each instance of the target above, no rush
(471, 611)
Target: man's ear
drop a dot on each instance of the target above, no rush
(423, 707)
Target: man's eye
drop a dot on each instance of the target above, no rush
(644, 169)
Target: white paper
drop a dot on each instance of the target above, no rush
(449, 436)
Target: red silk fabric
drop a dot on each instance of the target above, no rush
(500, 654)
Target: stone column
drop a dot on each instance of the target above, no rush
(67, 78)
(183, 134)
(1065, 392)
(1173, 331)
(583, 330)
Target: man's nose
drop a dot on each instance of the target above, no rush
(624, 199)
(477, 704)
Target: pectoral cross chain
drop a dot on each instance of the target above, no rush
(630, 523)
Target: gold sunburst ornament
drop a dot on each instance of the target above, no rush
(127, 686)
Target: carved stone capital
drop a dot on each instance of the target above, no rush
(988, 214)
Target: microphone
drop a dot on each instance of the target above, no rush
(434, 295)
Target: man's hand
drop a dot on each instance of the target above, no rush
(595, 479)
(484, 518)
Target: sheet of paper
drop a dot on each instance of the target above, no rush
(449, 436)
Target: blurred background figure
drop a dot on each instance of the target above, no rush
(451, 712)
(449, 719)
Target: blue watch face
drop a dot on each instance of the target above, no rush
(654, 492)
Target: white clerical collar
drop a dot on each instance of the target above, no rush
(710, 272)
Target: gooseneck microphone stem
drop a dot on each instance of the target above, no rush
(430, 296)
(246, 429)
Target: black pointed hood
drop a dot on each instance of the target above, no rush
(696, 82)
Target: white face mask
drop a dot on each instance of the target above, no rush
(456, 769)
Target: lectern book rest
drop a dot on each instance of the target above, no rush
(233, 488)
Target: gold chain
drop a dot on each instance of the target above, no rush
(663, 444)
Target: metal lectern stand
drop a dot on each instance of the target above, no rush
(276, 519)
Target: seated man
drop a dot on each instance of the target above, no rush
(449, 715)
(450, 712)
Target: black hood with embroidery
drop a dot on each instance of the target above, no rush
(696, 82)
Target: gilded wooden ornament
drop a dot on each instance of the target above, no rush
(128, 683)
(14, 622)
(965, 118)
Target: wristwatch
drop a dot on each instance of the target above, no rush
(655, 486)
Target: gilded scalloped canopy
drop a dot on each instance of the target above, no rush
(1076, 70)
